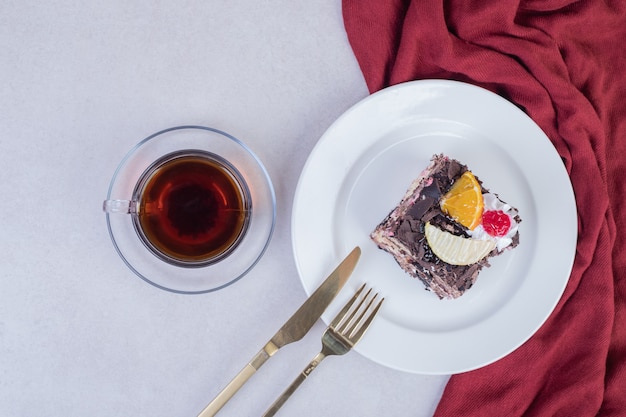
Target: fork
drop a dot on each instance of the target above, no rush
(342, 334)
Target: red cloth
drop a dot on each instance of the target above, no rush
(564, 63)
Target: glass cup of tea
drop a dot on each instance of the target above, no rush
(190, 209)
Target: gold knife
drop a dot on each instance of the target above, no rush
(293, 330)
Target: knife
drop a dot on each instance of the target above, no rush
(293, 330)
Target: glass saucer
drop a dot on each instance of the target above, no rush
(215, 276)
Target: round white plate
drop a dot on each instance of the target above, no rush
(359, 171)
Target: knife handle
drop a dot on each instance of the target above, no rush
(237, 382)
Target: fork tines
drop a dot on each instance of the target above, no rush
(353, 320)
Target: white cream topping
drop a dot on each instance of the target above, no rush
(491, 202)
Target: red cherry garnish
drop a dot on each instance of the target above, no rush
(496, 223)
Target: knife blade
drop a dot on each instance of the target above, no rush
(293, 330)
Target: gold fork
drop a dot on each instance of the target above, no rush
(342, 334)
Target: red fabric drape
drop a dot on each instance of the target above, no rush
(564, 63)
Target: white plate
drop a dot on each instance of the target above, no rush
(360, 169)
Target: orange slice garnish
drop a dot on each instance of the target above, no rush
(464, 201)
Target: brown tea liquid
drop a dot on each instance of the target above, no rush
(193, 209)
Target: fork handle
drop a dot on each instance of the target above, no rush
(294, 385)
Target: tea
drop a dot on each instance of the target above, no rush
(193, 208)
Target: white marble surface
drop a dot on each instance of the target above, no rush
(80, 84)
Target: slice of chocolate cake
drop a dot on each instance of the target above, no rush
(447, 214)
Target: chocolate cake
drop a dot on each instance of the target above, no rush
(403, 233)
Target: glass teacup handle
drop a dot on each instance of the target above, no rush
(120, 206)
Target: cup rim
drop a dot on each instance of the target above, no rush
(148, 174)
